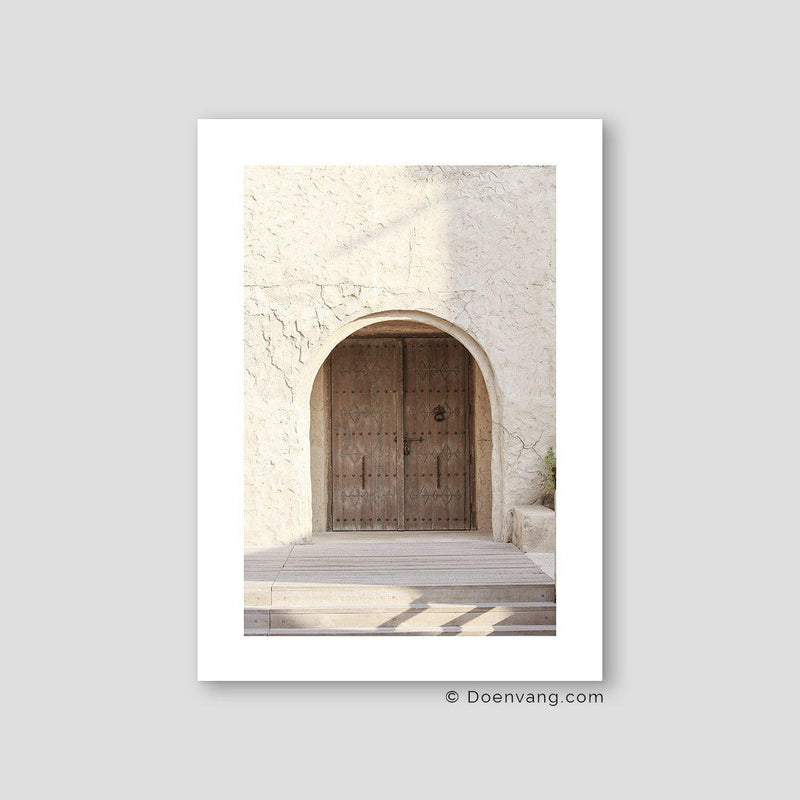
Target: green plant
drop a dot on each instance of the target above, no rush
(550, 475)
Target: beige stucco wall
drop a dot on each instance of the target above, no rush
(482, 451)
(326, 246)
(320, 443)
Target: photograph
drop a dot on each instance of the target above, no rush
(399, 400)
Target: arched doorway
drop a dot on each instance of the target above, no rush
(401, 432)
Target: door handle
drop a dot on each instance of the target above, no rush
(438, 472)
(363, 486)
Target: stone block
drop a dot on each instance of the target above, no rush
(533, 529)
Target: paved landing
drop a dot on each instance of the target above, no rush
(407, 560)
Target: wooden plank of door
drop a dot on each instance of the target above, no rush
(416, 487)
(365, 398)
(457, 432)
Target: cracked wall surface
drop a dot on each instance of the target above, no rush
(325, 246)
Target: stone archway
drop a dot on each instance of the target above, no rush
(489, 507)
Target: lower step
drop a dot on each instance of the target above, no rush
(449, 630)
(292, 595)
(415, 615)
(402, 619)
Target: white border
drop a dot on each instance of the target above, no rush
(224, 148)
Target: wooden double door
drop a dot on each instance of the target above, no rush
(400, 434)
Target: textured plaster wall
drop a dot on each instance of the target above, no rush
(320, 444)
(482, 455)
(325, 246)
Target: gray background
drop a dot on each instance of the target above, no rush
(98, 430)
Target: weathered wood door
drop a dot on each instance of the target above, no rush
(400, 434)
(366, 435)
(436, 421)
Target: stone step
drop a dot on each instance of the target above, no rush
(500, 568)
(398, 549)
(500, 630)
(404, 564)
(503, 555)
(413, 616)
(347, 595)
(381, 551)
(425, 576)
